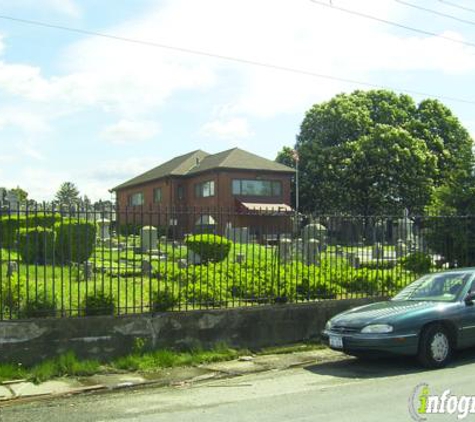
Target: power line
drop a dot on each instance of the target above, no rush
(233, 59)
(391, 23)
(435, 12)
(457, 6)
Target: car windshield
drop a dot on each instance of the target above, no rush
(436, 287)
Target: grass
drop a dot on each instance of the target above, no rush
(69, 365)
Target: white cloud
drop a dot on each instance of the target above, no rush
(130, 131)
(235, 128)
(65, 7)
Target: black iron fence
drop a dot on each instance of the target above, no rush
(71, 262)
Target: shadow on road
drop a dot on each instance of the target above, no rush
(383, 367)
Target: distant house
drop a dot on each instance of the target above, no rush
(233, 188)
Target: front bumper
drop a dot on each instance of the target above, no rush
(358, 343)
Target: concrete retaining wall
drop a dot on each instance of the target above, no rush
(32, 341)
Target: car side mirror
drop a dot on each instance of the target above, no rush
(469, 298)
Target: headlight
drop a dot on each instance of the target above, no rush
(328, 325)
(377, 329)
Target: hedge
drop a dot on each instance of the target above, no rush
(10, 225)
(36, 245)
(75, 240)
(210, 247)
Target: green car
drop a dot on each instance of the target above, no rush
(429, 319)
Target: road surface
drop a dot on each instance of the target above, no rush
(349, 390)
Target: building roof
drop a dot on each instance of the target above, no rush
(199, 161)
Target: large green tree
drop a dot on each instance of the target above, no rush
(67, 194)
(375, 152)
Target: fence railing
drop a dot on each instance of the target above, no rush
(73, 262)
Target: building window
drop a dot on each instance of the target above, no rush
(204, 190)
(136, 199)
(180, 192)
(157, 195)
(257, 187)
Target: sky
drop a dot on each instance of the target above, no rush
(98, 111)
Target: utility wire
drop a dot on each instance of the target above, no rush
(233, 59)
(457, 6)
(391, 23)
(435, 12)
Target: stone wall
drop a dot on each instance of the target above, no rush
(32, 341)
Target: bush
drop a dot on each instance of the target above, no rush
(417, 262)
(317, 289)
(36, 245)
(10, 225)
(210, 247)
(12, 294)
(75, 240)
(164, 299)
(98, 303)
(39, 305)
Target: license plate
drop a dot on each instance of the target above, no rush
(336, 341)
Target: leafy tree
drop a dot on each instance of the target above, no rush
(377, 152)
(67, 194)
(21, 194)
(451, 230)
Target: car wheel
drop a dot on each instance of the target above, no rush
(435, 348)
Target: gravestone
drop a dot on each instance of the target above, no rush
(378, 251)
(193, 258)
(311, 251)
(88, 270)
(148, 238)
(401, 249)
(285, 250)
(12, 200)
(314, 231)
(353, 259)
(12, 267)
(146, 268)
(104, 229)
(182, 264)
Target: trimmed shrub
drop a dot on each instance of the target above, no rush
(39, 305)
(99, 303)
(417, 262)
(11, 225)
(75, 240)
(317, 289)
(36, 245)
(210, 247)
(12, 294)
(164, 299)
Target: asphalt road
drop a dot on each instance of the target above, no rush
(348, 390)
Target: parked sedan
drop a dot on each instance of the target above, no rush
(429, 319)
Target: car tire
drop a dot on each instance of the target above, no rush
(435, 346)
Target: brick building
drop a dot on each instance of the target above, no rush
(233, 188)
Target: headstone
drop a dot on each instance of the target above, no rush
(193, 258)
(238, 234)
(353, 259)
(146, 268)
(285, 250)
(88, 270)
(182, 264)
(401, 249)
(12, 200)
(148, 238)
(314, 231)
(378, 251)
(311, 250)
(104, 229)
(240, 258)
(3, 192)
(12, 267)
(339, 252)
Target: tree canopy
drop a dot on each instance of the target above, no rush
(372, 152)
(67, 194)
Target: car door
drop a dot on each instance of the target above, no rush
(467, 322)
